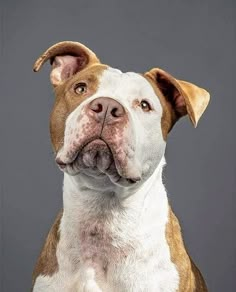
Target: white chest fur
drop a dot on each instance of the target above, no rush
(113, 246)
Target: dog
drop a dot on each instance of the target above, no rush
(117, 231)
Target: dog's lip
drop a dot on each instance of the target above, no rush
(62, 165)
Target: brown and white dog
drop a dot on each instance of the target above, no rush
(117, 232)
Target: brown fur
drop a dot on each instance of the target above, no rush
(47, 262)
(190, 277)
(67, 48)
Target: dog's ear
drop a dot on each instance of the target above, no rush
(185, 97)
(67, 58)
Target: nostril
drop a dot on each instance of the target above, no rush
(117, 112)
(97, 107)
(114, 112)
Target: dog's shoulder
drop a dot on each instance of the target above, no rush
(47, 261)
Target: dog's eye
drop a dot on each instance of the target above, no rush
(145, 106)
(80, 88)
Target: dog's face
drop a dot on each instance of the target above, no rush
(112, 119)
(109, 124)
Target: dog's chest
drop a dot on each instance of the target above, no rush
(127, 252)
(106, 262)
(100, 263)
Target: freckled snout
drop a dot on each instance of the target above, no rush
(106, 109)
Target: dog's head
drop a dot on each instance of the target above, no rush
(110, 124)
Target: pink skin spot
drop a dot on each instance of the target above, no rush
(96, 247)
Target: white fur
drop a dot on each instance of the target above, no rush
(135, 253)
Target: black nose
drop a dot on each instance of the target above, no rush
(105, 107)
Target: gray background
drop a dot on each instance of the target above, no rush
(193, 40)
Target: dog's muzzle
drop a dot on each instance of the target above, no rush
(100, 148)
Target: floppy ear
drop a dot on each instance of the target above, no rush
(67, 58)
(185, 97)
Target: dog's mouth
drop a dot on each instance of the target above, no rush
(95, 158)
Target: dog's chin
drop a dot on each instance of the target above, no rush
(96, 160)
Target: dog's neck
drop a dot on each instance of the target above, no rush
(86, 206)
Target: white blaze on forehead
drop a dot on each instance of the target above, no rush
(126, 87)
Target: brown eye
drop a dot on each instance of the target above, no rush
(80, 88)
(145, 106)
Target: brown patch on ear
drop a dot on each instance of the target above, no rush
(185, 97)
(67, 100)
(47, 262)
(67, 58)
(66, 48)
(189, 276)
(171, 93)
